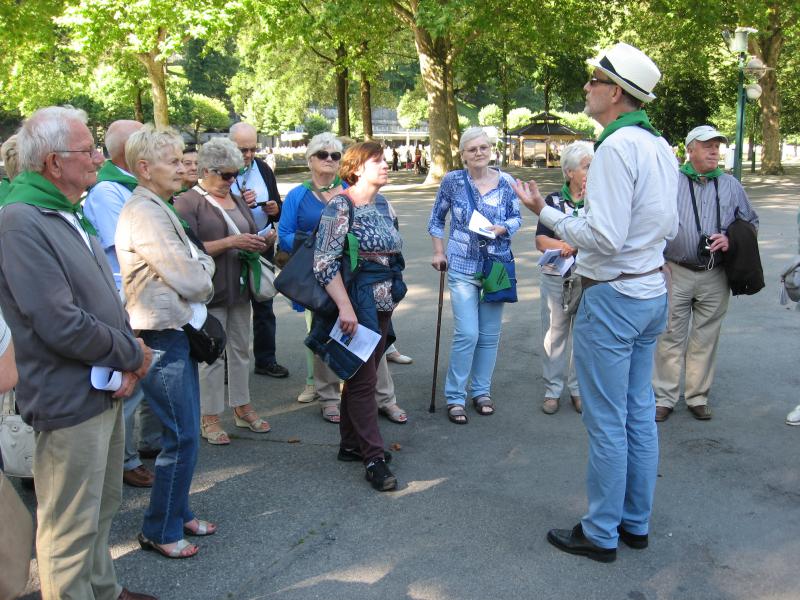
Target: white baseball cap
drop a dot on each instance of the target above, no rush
(629, 68)
(703, 133)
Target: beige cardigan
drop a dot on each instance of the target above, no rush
(159, 276)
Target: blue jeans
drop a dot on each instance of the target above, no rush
(149, 428)
(476, 334)
(173, 391)
(614, 342)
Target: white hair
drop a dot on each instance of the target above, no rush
(219, 154)
(117, 134)
(147, 144)
(8, 152)
(240, 126)
(321, 141)
(573, 154)
(471, 133)
(44, 132)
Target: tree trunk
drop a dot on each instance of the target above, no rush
(157, 75)
(452, 112)
(342, 84)
(546, 92)
(433, 68)
(768, 49)
(366, 106)
(138, 110)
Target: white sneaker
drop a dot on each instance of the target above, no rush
(308, 394)
(400, 359)
(793, 418)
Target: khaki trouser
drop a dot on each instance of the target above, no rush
(326, 383)
(235, 321)
(78, 473)
(698, 303)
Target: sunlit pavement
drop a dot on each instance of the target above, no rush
(475, 502)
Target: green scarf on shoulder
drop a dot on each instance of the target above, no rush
(5, 185)
(111, 172)
(567, 195)
(689, 170)
(636, 118)
(32, 188)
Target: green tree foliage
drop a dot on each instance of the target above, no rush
(413, 108)
(519, 117)
(210, 71)
(491, 114)
(207, 113)
(580, 122)
(315, 123)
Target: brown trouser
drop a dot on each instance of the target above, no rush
(359, 413)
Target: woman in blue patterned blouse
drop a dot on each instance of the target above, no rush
(355, 220)
(476, 324)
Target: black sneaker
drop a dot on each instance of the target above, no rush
(273, 370)
(353, 455)
(379, 475)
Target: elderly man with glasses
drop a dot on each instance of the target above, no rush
(58, 296)
(256, 184)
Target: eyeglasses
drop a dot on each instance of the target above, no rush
(251, 150)
(324, 154)
(595, 80)
(90, 153)
(226, 176)
(482, 149)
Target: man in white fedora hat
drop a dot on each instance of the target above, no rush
(708, 202)
(630, 213)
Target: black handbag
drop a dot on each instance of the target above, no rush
(297, 282)
(207, 343)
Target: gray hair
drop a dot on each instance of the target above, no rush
(44, 132)
(573, 155)
(8, 152)
(147, 144)
(470, 133)
(321, 141)
(219, 154)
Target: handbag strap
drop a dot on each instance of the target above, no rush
(8, 404)
(694, 206)
(232, 228)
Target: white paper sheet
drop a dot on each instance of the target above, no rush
(552, 262)
(362, 344)
(106, 379)
(480, 225)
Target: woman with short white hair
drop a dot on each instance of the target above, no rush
(476, 323)
(562, 294)
(209, 208)
(166, 281)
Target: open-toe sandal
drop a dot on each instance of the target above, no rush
(203, 528)
(330, 413)
(457, 414)
(212, 431)
(250, 420)
(483, 405)
(394, 413)
(179, 551)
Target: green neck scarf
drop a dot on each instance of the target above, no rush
(567, 195)
(111, 172)
(689, 170)
(32, 188)
(636, 118)
(310, 185)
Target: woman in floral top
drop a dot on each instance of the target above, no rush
(476, 324)
(359, 218)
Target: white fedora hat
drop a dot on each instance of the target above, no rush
(630, 68)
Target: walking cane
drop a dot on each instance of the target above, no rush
(432, 407)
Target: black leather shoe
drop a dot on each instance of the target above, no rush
(379, 475)
(149, 453)
(574, 542)
(353, 455)
(273, 370)
(631, 540)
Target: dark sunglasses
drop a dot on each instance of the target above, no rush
(252, 150)
(226, 176)
(595, 80)
(324, 154)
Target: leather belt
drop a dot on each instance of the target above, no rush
(587, 283)
(692, 267)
